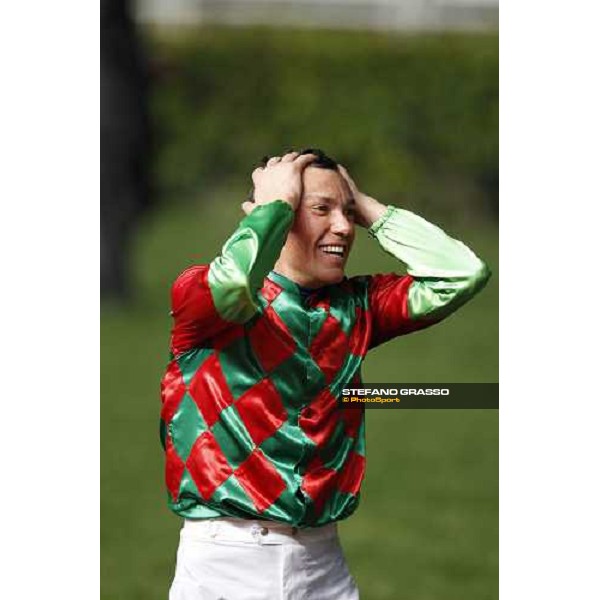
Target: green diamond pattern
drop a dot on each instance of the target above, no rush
(298, 380)
(337, 448)
(191, 361)
(240, 368)
(292, 381)
(360, 446)
(279, 448)
(295, 319)
(186, 426)
(232, 496)
(317, 318)
(188, 488)
(232, 437)
(344, 311)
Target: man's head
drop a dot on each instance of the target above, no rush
(320, 240)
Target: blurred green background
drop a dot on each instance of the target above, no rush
(415, 119)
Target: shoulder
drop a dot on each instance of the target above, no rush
(189, 283)
(190, 275)
(381, 281)
(382, 285)
(376, 281)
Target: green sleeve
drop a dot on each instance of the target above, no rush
(237, 274)
(445, 272)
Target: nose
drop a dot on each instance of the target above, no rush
(341, 225)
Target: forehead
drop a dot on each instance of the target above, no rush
(325, 182)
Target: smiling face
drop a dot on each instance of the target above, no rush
(321, 237)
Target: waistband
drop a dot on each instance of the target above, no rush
(228, 529)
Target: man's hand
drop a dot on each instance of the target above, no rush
(279, 179)
(368, 210)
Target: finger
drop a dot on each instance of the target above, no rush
(304, 160)
(290, 156)
(273, 160)
(344, 173)
(256, 173)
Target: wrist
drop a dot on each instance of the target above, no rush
(371, 211)
(375, 227)
(290, 201)
(278, 198)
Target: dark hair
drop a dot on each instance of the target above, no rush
(322, 162)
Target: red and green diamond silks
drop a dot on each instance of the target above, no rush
(250, 421)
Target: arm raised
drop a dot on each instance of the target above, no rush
(207, 299)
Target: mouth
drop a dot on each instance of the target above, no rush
(337, 251)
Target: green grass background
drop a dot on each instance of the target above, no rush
(427, 526)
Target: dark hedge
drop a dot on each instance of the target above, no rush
(413, 116)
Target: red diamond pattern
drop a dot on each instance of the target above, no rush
(323, 303)
(260, 480)
(271, 340)
(207, 465)
(360, 334)
(172, 389)
(330, 348)
(196, 318)
(319, 419)
(210, 391)
(352, 418)
(319, 483)
(352, 474)
(261, 410)
(174, 468)
(270, 290)
(228, 336)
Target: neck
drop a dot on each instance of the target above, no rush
(296, 276)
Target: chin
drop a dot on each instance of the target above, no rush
(331, 278)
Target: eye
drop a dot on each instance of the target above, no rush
(351, 212)
(321, 208)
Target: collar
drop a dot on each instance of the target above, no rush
(288, 285)
(291, 286)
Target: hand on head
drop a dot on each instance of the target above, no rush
(368, 210)
(279, 179)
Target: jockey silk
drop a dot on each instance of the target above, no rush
(250, 421)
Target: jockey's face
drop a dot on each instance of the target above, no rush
(319, 243)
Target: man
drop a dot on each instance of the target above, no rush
(261, 459)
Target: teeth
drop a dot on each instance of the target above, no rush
(334, 249)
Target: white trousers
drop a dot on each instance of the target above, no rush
(236, 559)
